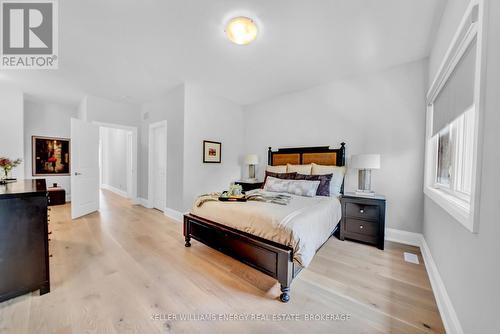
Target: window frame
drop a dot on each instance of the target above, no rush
(472, 27)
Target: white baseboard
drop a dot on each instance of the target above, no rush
(115, 190)
(174, 214)
(446, 309)
(403, 237)
(144, 202)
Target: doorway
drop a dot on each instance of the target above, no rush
(157, 184)
(118, 159)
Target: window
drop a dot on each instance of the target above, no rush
(444, 144)
(454, 157)
(454, 121)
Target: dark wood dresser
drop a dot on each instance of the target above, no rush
(363, 219)
(24, 243)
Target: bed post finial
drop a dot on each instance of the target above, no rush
(269, 156)
(342, 150)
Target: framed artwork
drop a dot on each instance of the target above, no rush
(211, 151)
(50, 156)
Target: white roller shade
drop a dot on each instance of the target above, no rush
(457, 95)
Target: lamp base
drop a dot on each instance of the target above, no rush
(364, 182)
(251, 172)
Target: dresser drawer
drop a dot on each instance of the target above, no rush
(365, 211)
(353, 225)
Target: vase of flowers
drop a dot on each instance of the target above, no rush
(7, 165)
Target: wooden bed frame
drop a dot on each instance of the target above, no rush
(269, 257)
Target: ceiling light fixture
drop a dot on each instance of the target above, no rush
(241, 30)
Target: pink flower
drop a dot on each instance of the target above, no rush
(9, 164)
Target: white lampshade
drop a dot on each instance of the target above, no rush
(365, 161)
(252, 159)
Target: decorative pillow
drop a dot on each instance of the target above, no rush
(286, 176)
(300, 169)
(324, 182)
(337, 178)
(295, 187)
(276, 169)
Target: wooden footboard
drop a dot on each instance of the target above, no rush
(269, 257)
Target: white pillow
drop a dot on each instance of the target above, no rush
(337, 178)
(276, 169)
(299, 169)
(295, 187)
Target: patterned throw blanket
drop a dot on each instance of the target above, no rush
(259, 196)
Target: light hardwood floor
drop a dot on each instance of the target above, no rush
(112, 271)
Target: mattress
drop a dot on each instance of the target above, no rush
(304, 224)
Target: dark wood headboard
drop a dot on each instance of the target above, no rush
(321, 155)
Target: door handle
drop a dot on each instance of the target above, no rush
(76, 173)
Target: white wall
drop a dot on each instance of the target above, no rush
(12, 128)
(379, 113)
(208, 117)
(467, 262)
(106, 111)
(50, 120)
(114, 158)
(82, 109)
(169, 107)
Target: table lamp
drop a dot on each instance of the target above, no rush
(251, 160)
(365, 163)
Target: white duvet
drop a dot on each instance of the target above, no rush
(304, 224)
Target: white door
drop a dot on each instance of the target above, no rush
(158, 168)
(84, 168)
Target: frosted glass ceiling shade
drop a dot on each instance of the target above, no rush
(252, 159)
(365, 161)
(241, 30)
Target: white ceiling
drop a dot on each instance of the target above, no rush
(140, 49)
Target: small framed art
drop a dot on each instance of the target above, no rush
(211, 152)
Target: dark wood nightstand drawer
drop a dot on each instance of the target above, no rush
(353, 225)
(364, 211)
(363, 219)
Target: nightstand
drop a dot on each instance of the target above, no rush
(57, 196)
(363, 219)
(248, 185)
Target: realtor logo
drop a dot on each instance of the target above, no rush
(29, 34)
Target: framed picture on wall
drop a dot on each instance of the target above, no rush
(50, 156)
(211, 151)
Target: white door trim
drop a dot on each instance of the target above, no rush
(150, 162)
(135, 148)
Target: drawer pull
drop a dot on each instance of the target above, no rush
(50, 255)
(50, 232)
(362, 211)
(361, 226)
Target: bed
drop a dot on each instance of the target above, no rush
(269, 237)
